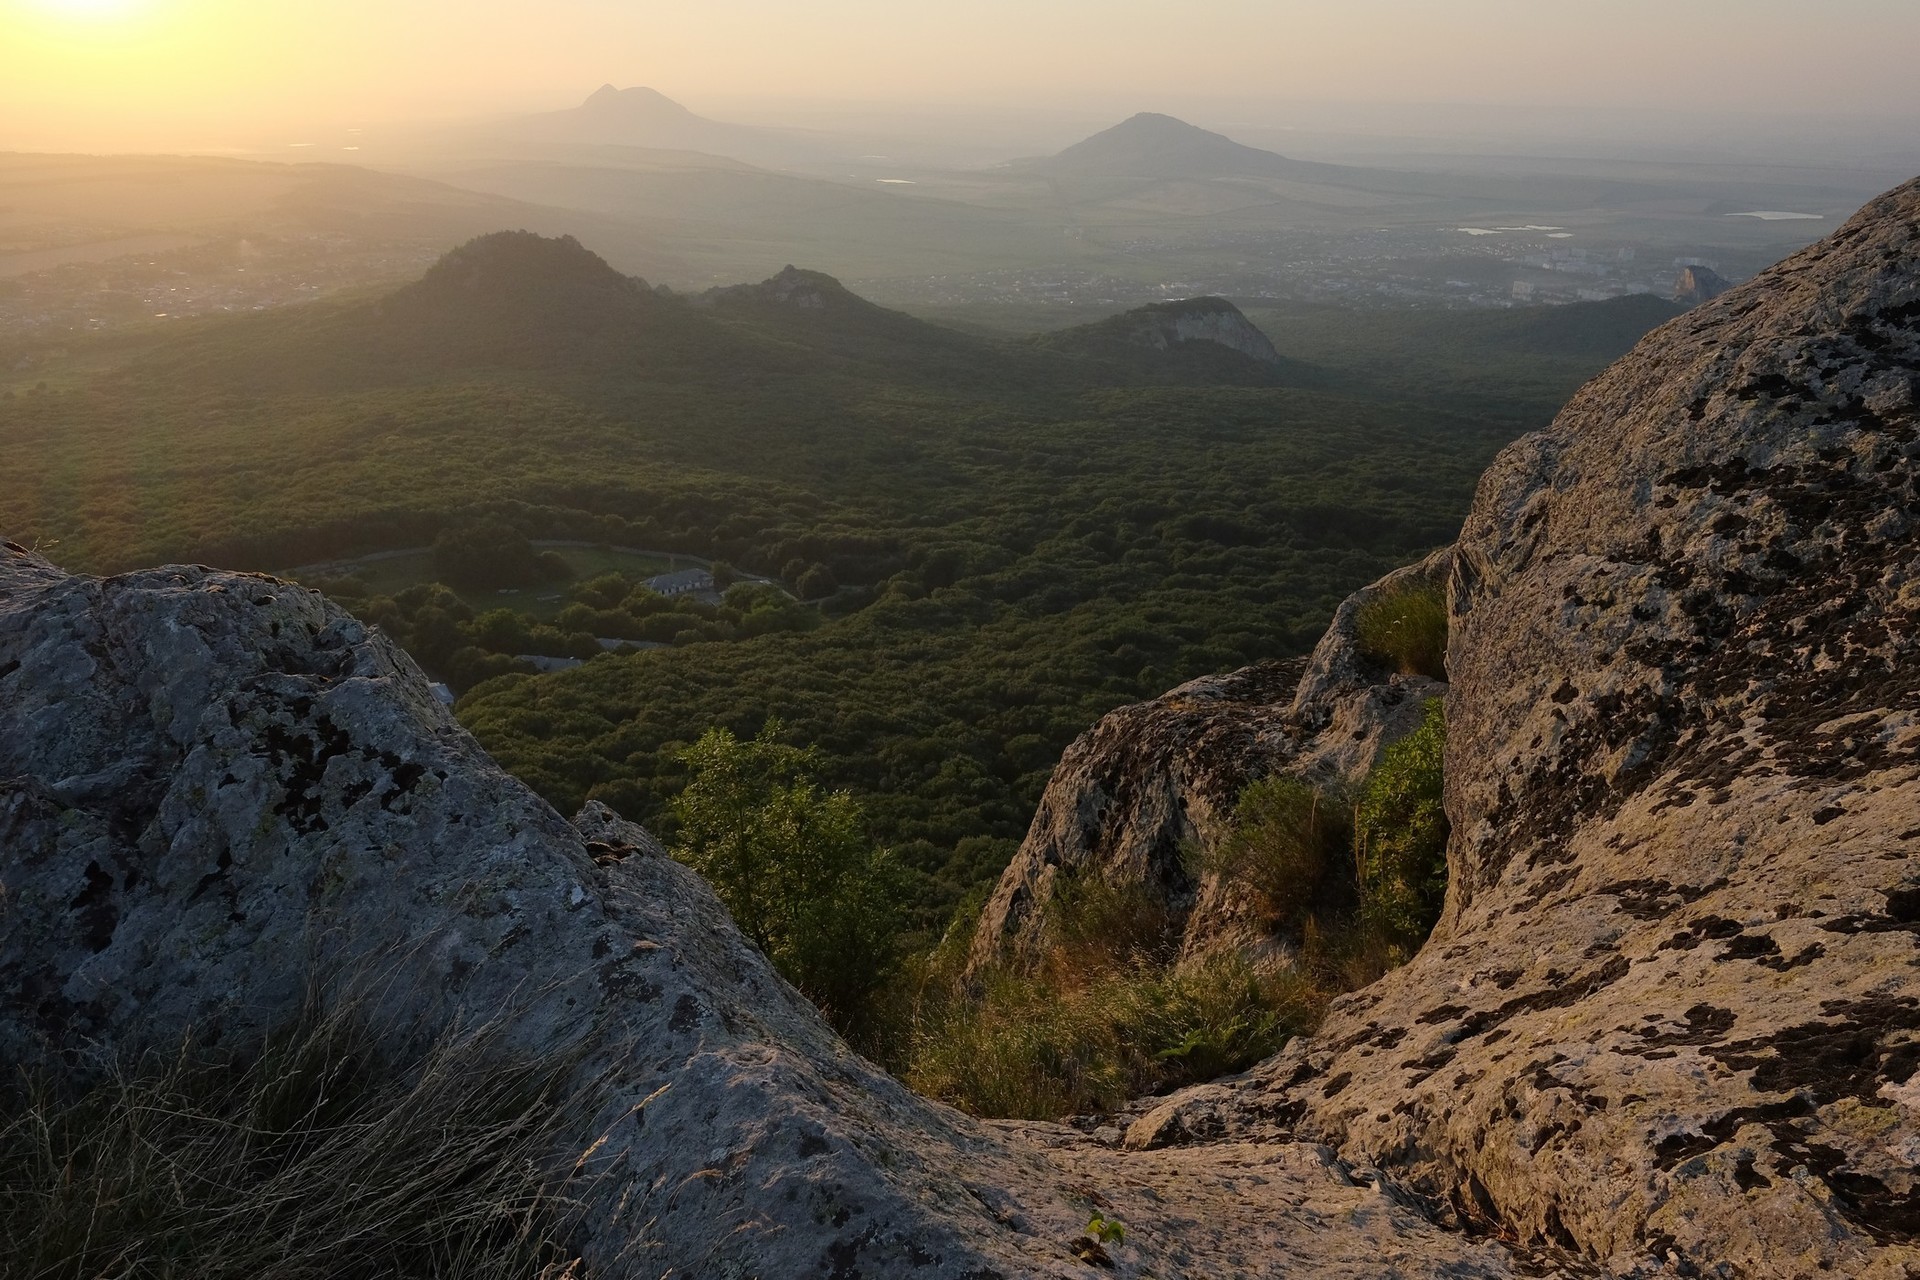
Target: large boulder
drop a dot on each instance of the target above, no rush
(218, 790)
(1672, 1012)
(1134, 797)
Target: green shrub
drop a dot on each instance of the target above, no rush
(316, 1158)
(1288, 846)
(1400, 834)
(1406, 629)
(796, 869)
(1106, 1015)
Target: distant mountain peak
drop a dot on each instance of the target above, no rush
(1154, 145)
(790, 287)
(638, 102)
(519, 269)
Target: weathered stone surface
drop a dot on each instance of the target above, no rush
(1695, 285)
(1673, 1008)
(1165, 325)
(1135, 794)
(215, 788)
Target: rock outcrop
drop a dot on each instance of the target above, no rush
(1136, 795)
(216, 789)
(790, 287)
(1191, 333)
(1672, 1013)
(1695, 285)
(1164, 325)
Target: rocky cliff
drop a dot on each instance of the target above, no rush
(1195, 328)
(1672, 1013)
(1695, 285)
(1168, 324)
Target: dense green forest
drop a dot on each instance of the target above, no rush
(999, 538)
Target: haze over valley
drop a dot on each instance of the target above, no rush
(1258, 639)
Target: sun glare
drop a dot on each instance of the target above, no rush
(86, 9)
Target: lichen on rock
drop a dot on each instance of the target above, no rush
(1673, 1009)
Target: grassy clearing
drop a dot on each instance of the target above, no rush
(317, 1158)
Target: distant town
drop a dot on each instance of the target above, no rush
(1467, 267)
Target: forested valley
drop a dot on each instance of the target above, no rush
(940, 554)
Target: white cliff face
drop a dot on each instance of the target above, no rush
(1205, 320)
(1228, 328)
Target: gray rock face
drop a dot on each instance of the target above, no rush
(1673, 1009)
(1695, 285)
(1215, 320)
(215, 788)
(1135, 794)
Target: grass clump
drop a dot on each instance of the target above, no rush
(1406, 629)
(1105, 1016)
(1288, 848)
(1036, 1048)
(1107, 1013)
(319, 1157)
(1359, 884)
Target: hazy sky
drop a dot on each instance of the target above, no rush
(103, 73)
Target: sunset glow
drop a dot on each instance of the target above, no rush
(88, 10)
(120, 73)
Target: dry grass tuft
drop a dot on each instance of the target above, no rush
(1406, 629)
(318, 1157)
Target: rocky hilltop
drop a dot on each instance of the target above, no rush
(1162, 325)
(1669, 1023)
(1696, 284)
(791, 287)
(1191, 326)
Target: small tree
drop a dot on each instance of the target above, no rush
(794, 866)
(817, 583)
(500, 631)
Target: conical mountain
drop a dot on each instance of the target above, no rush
(1151, 145)
(646, 118)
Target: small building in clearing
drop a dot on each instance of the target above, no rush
(682, 582)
